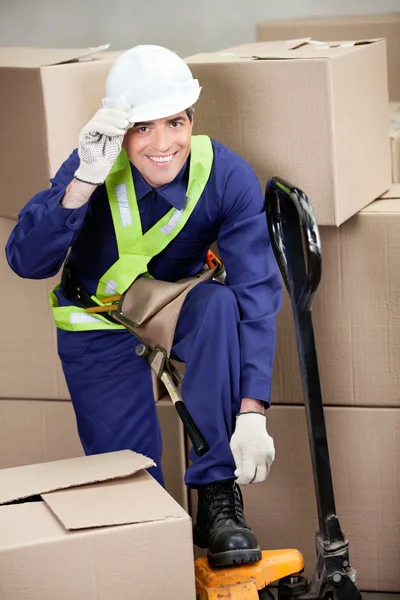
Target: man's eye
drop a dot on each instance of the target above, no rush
(143, 129)
(175, 124)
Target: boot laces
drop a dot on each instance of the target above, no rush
(225, 503)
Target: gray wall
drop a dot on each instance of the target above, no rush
(184, 26)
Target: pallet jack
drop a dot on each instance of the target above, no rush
(296, 244)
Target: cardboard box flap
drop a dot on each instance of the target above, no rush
(33, 480)
(284, 50)
(138, 499)
(309, 42)
(34, 58)
(392, 193)
(383, 206)
(301, 48)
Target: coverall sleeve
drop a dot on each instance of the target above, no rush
(45, 230)
(253, 275)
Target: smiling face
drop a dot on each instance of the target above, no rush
(160, 148)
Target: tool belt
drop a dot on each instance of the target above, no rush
(149, 308)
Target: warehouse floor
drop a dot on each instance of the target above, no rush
(371, 596)
(380, 596)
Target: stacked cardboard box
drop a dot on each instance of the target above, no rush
(356, 321)
(349, 27)
(47, 96)
(122, 536)
(294, 109)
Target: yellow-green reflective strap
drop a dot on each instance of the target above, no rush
(135, 259)
(74, 318)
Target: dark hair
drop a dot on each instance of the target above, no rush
(190, 112)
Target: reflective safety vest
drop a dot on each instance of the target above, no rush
(135, 249)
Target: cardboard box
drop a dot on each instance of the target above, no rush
(30, 366)
(394, 127)
(101, 528)
(295, 110)
(344, 27)
(356, 314)
(364, 447)
(365, 453)
(47, 96)
(174, 461)
(35, 431)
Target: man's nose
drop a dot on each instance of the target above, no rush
(162, 141)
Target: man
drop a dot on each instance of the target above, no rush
(225, 333)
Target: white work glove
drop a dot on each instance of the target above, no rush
(100, 142)
(252, 448)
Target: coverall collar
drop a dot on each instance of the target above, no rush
(174, 192)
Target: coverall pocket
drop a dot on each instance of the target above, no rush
(73, 345)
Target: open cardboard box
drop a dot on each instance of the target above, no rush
(96, 528)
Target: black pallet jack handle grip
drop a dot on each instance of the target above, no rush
(288, 208)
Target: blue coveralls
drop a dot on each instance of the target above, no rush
(225, 333)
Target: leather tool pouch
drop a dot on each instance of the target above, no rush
(150, 308)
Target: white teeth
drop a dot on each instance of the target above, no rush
(162, 159)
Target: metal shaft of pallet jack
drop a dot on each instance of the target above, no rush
(199, 443)
(315, 422)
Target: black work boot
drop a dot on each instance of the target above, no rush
(221, 526)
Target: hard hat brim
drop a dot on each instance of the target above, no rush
(166, 107)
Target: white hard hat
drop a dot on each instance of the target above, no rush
(154, 81)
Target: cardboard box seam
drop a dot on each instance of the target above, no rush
(342, 299)
(19, 399)
(45, 429)
(44, 119)
(334, 182)
(345, 407)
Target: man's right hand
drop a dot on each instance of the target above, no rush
(100, 142)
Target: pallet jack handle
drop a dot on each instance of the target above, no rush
(296, 244)
(301, 228)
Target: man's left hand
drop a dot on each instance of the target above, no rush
(252, 448)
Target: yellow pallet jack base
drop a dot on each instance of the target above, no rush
(244, 582)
